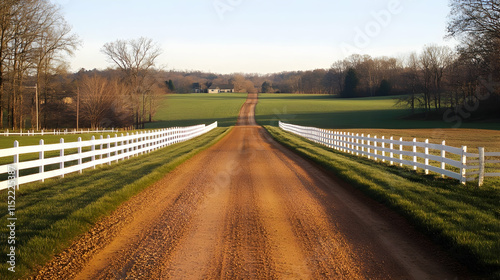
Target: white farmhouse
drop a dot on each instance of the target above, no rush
(221, 89)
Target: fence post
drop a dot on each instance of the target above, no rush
(357, 144)
(339, 141)
(463, 170)
(349, 145)
(142, 142)
(391, 146)
(342, 142)
(128, 147)
(426, 156)
(415, 154)
(41, 156)
(109, 148)
(80, 154)
(369, 145)
(330, 139)
(116, 147)
(481, 166)
(375, 148)
(346, 142)
(443, 155)
(61, 155)
(149, 138)
(92, 148)
(123, 144)
(401, 152)
(100, 149)
(383, 148)
(136, 146)
(16, 162)
(363, 144)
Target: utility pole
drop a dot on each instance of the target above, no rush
(36, 105)
(77, 107)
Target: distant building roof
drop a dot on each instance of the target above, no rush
(225, 86)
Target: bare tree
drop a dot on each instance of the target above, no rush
(96, 99)
(472, 17)
(32, 34)
(413, 77)
(136, 59)
(54, 41)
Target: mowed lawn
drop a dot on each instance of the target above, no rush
(200, 108)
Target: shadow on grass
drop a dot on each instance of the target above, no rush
(369, 119)
(222, 122)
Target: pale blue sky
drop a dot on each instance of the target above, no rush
(256, 36)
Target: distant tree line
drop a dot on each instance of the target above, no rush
(35, 39)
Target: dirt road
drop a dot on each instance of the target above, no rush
(249, 209)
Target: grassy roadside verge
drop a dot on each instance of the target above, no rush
(52, 214)
(465, 220)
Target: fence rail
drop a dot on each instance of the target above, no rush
(80, 155)
(448, 161)
(55, 132)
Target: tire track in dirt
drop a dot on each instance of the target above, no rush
(247, 208)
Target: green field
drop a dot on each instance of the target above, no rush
(202, 108)
(325, 111)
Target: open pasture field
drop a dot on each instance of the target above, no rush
(329, 112)
(199, 108)
(472, 138)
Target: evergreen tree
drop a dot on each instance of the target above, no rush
(385, 88)
(351, 83)
(266, 87)
(171, 86)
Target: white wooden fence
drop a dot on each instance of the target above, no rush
(55, 132)
(88, 154)
(461, 165)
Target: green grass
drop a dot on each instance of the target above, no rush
(202, 108)
(325, 111)
(464, 219)
(52, 214)
(8, 141)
